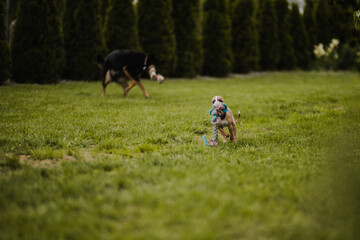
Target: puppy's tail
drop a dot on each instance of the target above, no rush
(238, 118)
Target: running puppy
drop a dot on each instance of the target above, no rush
(222, 117)
(123, 66)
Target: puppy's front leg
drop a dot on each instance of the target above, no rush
(223, 134)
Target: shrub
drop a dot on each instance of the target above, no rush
(299, 34)
(349, 57)
(83, 39)
(37, 47)
(310, 25)
(120, 26)
(188, 40)
(326, 57)
(4, 48)
(286, 42)
(322, 16)
(217, 39)
(245, 37)
(156, 32)
(269, 53)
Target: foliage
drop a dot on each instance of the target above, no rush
(37, 47)
(82, 167)
(120, 26)
(342, 24)
(353, 6)
(300, 36)
(83, 39)
(349, 57)
(286, 42)
(356, 16)
(245, 37)
(217, 39)
(268, 44)
(337, 56)
(5, 61)
(323, 22)
(327, 58)
(310, 24)
(188, 40)
(156, 32)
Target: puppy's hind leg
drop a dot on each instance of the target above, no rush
(232, 130)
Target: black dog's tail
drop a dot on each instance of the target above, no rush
(100, 61)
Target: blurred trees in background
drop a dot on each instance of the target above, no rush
(217, 38)
(210, 37)
(286, 41)
(323, 20)
(83, 39)
(4, 48)
(268, 44)
(188, 39)
(37, 47)
(245, 37)
(301, 43)
(120, 25)
(310, 25)
(156, 32)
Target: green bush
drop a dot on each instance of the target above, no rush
(120, 26)
(310, 25)
(269, 52)
(37, 47)
(83, 39)
(342, 22)
(286, 42)
(299, 34)
(326, 57)
(188, 40)
(4, 48)
(217, 39)
(348, 58)
(323, 17)
(156, 32)
(245, 37)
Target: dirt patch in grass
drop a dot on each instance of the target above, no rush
(44, 163)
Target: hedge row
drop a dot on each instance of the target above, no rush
(56, 39)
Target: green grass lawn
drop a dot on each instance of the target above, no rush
(77, 166)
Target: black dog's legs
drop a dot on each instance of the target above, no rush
(106, 81)
(134, 80)
(123, 83)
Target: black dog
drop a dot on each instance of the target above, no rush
(124, 65)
